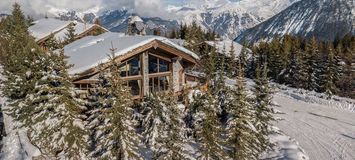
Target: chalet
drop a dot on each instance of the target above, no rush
(149, 64)
(43, 28)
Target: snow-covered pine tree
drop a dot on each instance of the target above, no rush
(243, 60)
(210, 62)
(311, 64)
(219, 88)
(347, 73)
(172, 142)
(240, 132)
(96, 120)
(329, 75)
(155, 117)
(275, 58)
(55, 125)
(70, 35)
(232, 65)
(18, 53)
(117, 137)
(295, 73)
(263, 110)
(52, 43)
(208, 129)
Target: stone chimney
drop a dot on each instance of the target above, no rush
(135, 26)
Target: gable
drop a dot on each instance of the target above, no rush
(87, 53)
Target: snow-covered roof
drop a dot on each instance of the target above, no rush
(227, 44)
(44, 27)
(133, 19)
(79, 29)
(91, 51)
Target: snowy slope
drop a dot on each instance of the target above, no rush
(324, 128)
(323, 19)
(324, 132)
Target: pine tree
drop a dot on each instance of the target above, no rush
(157, 32)
(346, 84)
(296, 73)
(118, 138)
(52, 43)
(263, 110)
(154, 122)
(274, 58)
(70, 35)
(55, 125)
(96, 121)
(329, 73)
(232, 65)
(173, 136)
(210, 62)
(30, 21)
(311, 64)
(183, 31)
(173, 34)
(19, 51)
(208, 129)
(243, 59)
(240, 132)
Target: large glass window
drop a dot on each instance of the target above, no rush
(163, 66)
(135, 86)
(158, 84)
(131, 67)
(153, 64)
(158, 65)
(134, 66)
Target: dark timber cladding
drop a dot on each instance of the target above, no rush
(151, 68)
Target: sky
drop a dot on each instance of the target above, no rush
(37, 8)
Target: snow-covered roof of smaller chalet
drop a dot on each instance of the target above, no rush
(92, 51)
(44, 27)
(227, 43)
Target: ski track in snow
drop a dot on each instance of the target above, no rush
(325, 133)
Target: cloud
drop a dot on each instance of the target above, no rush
(41, 7)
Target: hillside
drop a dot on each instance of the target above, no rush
(323, 19)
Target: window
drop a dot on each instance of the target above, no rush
(153, 64)
(157, 65)
(135, 86)
(131, 67)
(164, 83)
(158, 84)
(134, 66)
(163, 66)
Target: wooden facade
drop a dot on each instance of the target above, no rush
(151, 68)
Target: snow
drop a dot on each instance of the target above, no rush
(134, 19)
(285, 147)
(15, 145)
(227, 44)
(44, 27)
(324, 128)
(79, 29)
(324, 132)
(91, 51)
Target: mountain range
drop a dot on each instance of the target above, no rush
(324, 19)
(248, 20)
(227, 18)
